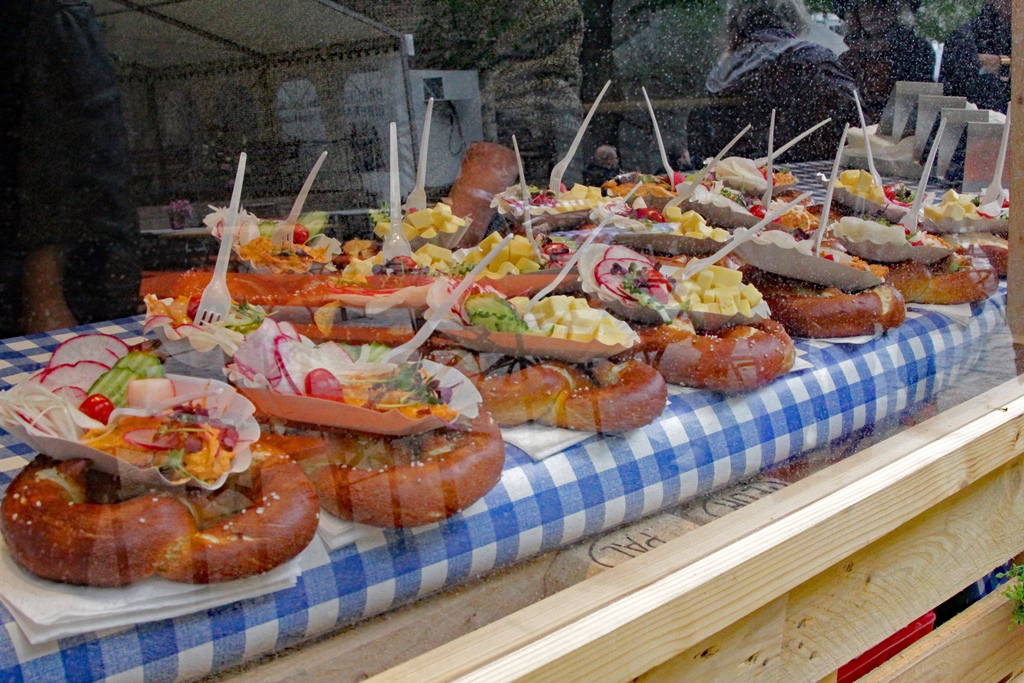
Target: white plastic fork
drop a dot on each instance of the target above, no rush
(215, 303)
(559, 169)
(395, 244)
(994, 192)
(284, 233)
(417, 199)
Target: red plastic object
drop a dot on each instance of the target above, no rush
(887, 649)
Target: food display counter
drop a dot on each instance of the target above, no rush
(789, 587)
(702, 442)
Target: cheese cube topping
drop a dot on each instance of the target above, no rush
(862, 184)
(566, 317)
(516, 258)
(718, 290)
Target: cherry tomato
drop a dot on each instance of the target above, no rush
(655, 278)
(764, 172)
(758, 211)
(650, 214)
(890, 193)
(321, 383)
(405, 263)
(98, 407)
(552, 248)
(193, 307)
(677, 178)
(301, 234)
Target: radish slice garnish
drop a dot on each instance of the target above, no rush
(75, 395)
(101, 348)
(149, 437)
(80, 374)
(255, 358)
(610, 274)
(156, 321)
(295, 361)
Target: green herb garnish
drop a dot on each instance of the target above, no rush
(735, 196)
(634, 282)
(903, 194)
(410, 380)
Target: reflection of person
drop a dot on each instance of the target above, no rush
(768, 67)
(883, 49)
(69, 234)
(528, 56)
(975, 61)
(603, 167)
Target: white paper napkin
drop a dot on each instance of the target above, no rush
(961, 314)
(47, 610)
(861, 339)
(540, 441)
(801, 364)
(337, 533)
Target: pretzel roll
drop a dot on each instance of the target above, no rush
(514, 395)
(626, 396)
(957, 279)
(55, 532)
(993, 248)
(737, 359)
(57, 529)
(610, 398)
(278, 522)
(400, 481)
(813, 311)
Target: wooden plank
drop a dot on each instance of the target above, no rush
(878, 590)
(1015, 277)
(686, 593)
(860, 601)
(747, 651)
(976, 645)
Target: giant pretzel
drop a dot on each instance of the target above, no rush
(392, 481)
(813, 311)
(600, 397)
(56, 529)
(737, 359)
(610, 398)
(957, 279)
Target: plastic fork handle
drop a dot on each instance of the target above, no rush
(227, 238)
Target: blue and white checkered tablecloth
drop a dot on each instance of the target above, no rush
(701, 442)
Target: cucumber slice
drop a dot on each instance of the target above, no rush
(146, 365)
(114, 385)
(494, 313)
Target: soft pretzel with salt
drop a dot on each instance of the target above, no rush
(56, 530)
(605, 397)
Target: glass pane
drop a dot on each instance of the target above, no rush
(659, 384)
